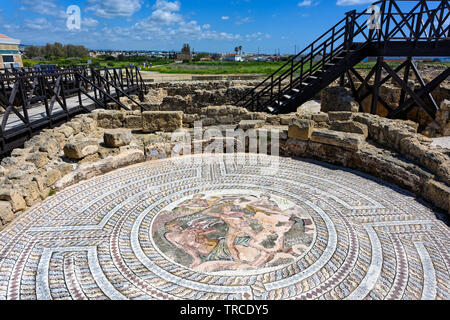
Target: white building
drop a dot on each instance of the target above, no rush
(233, 57)
(9, 52)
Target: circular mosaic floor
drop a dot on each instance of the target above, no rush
(240, 227)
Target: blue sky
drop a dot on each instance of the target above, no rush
(208, 25)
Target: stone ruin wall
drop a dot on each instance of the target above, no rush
(192, 98)
(102, 141)
(94, 144)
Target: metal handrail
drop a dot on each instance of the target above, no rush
(354, 27)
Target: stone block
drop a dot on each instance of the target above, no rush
(88, 124)
(190, 118)
(443, 172)
(250, 124)
(133, 122)
(79, 149)
(166, 121)
(89, 170)
(349, 141)
(296, 147)
(14, 197)
(432, 159)
(320, 117)
(273, 119)
(208, 122)
(9, 161)
(110, 119)
(6, 213)
(50, 146)
(30, 191)
(301, 129)
(340, 115)
(65, 168)
(225, 119)
(39, 159)
(213, 111)
(338, 99)
(286, 119)
(65, 130)
(90, 158)
(117, 138)
(350, 126)
(20, 152)
(438, 194)
(51, 177)
(75, 125)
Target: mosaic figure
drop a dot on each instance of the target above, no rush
(232, 232)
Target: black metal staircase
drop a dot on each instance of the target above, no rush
(405, 29)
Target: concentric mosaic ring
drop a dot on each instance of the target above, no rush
(227, 227)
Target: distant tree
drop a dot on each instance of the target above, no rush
(58, 50)
(240, 50)
(47, 50)
(32, 52)
(236, 49)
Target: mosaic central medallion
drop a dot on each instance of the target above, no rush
(232, 231)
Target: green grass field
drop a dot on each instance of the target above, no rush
(267, 68)
(220, 67)
(199, 67)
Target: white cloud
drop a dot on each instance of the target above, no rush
(165, 5)
(225, 18)
(165, 25)
(46, 7)
(114, 8)
(308, 3)
(165, 12)
(243, 20)
(352, 2)
(37, 24)
(89, 23)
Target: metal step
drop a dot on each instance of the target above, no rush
(296, 90)
(287, 96)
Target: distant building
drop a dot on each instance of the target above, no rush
(185, 54)
(9, 52)
(233, 57)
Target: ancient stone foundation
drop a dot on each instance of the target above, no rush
(96, 143)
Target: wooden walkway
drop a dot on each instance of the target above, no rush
(38, 112)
